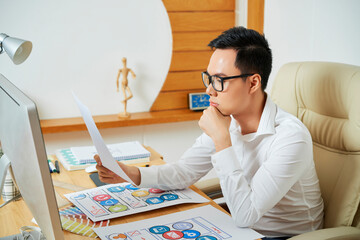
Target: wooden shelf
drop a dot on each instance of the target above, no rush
(112, 121)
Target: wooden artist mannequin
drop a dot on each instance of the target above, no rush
(124, 86)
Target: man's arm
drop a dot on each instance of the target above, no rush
(247, 200)
(193, 165)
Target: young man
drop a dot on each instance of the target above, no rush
(261, 154)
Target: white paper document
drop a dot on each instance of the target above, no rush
(117, 200)
(202, 223)
(106, 158)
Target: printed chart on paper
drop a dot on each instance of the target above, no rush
(203, 223)
(117, 200)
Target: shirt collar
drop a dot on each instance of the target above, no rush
(266, 124)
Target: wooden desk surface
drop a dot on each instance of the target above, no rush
(16, 214)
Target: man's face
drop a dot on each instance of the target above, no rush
(234, 99)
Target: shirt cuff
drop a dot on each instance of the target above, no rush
(225, 162)
(148, 177)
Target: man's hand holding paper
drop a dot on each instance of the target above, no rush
(108, 176)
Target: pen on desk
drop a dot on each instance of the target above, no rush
(57, 166)
(146, 165)
(52, 167)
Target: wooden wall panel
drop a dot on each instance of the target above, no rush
(185, 41)
(187, 61)
(194, 24)
(201, 21)
(199, 5)
(256, 15)
(189, 80)
(174, 100)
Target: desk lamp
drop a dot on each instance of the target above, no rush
(23, 146)
(17, 49)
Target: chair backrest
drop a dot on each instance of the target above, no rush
(326, 98)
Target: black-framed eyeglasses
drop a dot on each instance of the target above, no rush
(218, 82)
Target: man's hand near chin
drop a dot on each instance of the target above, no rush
(216, 126)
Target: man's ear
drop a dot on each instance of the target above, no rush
(255, 83)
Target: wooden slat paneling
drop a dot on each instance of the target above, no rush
(173, 100)
(187, 61)
(193, 42)
(199, 5)
(194, 24)
(201, 21)
(183, 81)
(256, 15)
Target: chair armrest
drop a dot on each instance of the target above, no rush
(337, 233)
(210, 187)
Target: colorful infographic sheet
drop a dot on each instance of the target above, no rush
(203, 223)
(117, 200)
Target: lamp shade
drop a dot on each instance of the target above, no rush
(17, 49)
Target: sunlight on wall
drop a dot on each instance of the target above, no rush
(78, 45)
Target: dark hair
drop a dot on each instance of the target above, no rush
(253, 52)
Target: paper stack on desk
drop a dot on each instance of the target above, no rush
(133, 152)
(71, 162)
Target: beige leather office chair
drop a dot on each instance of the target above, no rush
(326, 98)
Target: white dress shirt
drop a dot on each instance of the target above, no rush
(268, 178)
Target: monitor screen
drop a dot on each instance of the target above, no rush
(22, 143)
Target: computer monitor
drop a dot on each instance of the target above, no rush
(22, 143)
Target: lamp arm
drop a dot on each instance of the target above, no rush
(2, 38)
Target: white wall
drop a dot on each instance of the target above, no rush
(307, 30)
(241, 8)
(78, 45)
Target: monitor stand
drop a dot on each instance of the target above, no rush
(28, 232)
(5, 166)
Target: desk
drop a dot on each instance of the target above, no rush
(16, 214)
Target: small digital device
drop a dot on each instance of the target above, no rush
(198, 101)
(23, 145)
(95, 178)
